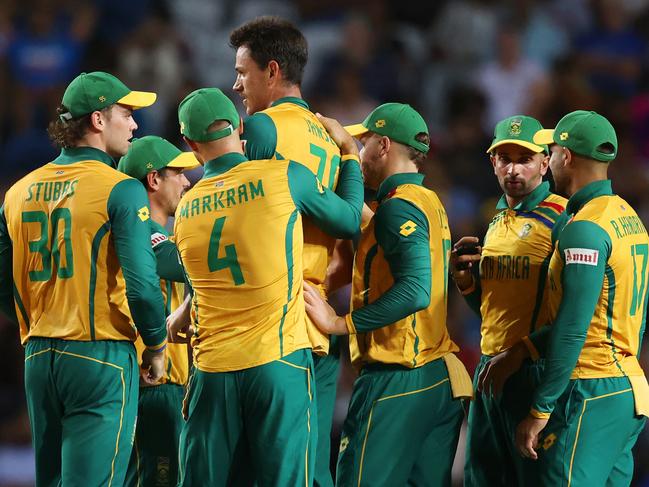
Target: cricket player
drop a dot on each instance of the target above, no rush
(75, 265)
(159, 165)
(509, 293)
(271, 54)
(593, 397)
(239, 235)
(405, 413)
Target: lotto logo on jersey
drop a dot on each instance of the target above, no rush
(407, 228)
(143, 213)
(157, 238)
(581, 256)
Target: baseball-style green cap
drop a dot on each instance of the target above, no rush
(89, 92)
(585, 133)
(519, 130)
(398, 121)
(203, 107)
(153, 153)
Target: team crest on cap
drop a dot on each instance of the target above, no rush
(149, 165)
(379, 124)
(515, 127)
(563, 136)
(102, 98)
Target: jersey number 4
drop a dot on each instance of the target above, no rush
(230, 261)
(49, 243)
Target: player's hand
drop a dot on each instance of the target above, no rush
(340, 136)
(323, 315)
(153, 366)
(465, 254)
(179, 328)
(527, 436)
(495, 373)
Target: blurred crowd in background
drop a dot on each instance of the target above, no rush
(464, 64)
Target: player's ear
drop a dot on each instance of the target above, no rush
(385, 143)
(274, 70)
(97, 121)
(545, 164)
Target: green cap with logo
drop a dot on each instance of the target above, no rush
(153, 153)
(203, 107)
(94, 91)
(519, 130)
(398, 121)
(588, 134)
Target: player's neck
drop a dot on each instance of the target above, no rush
(158, 215)
(399, 166)
(286, 91)
(588, 172)
(92, 140)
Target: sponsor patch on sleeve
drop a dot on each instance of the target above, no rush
(157, 238)
(581, 256)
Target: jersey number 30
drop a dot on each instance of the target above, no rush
(49, 246)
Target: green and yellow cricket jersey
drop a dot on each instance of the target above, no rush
(289, 130)
(400, 278)
(177, 370)
(78, 238)
(600, 266)
(239, 235)
(510, 292)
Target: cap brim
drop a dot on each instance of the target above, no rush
(185, 160)
(138, 99)
(356, 130)
(545, 136)
(522, 143)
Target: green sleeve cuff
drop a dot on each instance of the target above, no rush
(259, 137)
(336, 213)
(408, 256)
(128, 212)
(585, 248)
(168, 265)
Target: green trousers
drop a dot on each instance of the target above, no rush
(326, 370)
(589, 437)
(491, 456)
(154, 461)
(401, 429)
(251, 425)
(82, 405)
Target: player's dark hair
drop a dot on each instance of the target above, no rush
(273, 38)
(67, 133)
(417, 156)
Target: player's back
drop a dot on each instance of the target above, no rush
(70, 283)
(239, 235)
(302, 138)
(615, 332)
(420, 337)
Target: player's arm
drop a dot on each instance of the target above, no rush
(259, 137)
(168, 265)
(464, 265)
(6, 270)
(336, 213)
(582, 285)
(408, 255)
(128, 212)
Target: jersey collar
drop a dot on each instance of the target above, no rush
(159, 228)
(395, 180)
(70, 155)
(530, 202)
(222, 164)
(291, 99)
(587, 193)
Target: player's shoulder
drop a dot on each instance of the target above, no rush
(555, 202)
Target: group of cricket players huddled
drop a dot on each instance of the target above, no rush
(209, 355)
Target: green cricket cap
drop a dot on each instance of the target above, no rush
(519, 130)
(94, 91)
(585, 133)
(153, 153)
(203, 107)
(398, 121)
